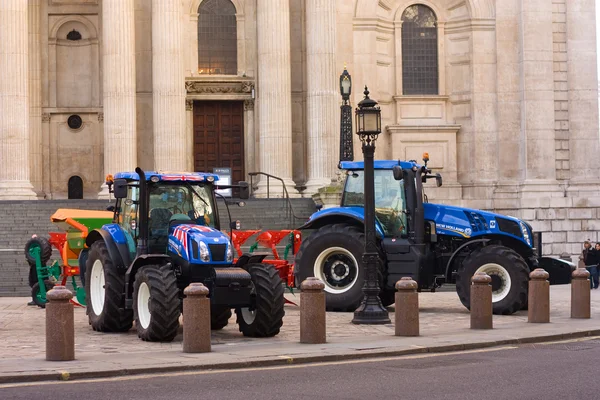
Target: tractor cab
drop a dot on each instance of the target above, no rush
(173, 200)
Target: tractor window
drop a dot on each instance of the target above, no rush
(390, 200)
(180, 202)
(128, 212)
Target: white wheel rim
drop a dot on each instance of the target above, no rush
(501, 272)
(97, 287)
(249, 316)
(143, 305)
(338, 270)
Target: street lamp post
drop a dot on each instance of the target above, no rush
(346, 145)
(368, 128)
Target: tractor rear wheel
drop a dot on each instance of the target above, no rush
(219, 317)
(333, 254)
(104, 292)
(37, 296)
(264, 316)
(45, 249)
(156, 303)
(509, 273)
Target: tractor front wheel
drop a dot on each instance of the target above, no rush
(219, 317)
(104, 292)
(264, 316)
(156, 303)
(509, 273)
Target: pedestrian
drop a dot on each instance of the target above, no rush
(590, 258)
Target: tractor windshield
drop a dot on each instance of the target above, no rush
(390, 200)
(181, 201)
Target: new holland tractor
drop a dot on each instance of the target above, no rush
(166, 234)
(431, 243)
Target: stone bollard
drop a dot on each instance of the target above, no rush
(312, 312)
(60, 325)
(407, 308)
(481, 301)
(580, 294)
(539, 297)
(196, 319)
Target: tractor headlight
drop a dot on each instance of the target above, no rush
(204, 253)
(525, 233)
(229, 253)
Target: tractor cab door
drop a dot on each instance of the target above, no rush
(127, 217)
(406, 256)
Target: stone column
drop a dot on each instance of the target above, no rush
(583, 94)
(322, 93)
(537, 95)
(118, 53)
(14, 102)
(168, 86)
(35, 96)
(189, 137)
(250, 138)
(274, 95)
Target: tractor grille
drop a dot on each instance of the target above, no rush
(217, 251)
(509, 226)
(478, 223)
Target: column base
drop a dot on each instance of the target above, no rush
(104, 193)
(17, 190)
(314, 184)
(275, 189)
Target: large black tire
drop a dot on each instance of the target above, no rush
(264, 317)
(504, 260)
(341, 294)
(108, 315)
(45, 249)
(162, 321)
(35, 290)
(219, 317)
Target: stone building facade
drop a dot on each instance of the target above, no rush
(503, 94)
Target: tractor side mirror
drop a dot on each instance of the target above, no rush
(398, 173)
(120, 189)
(438, 180)
(244, 190)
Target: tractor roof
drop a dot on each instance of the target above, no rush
(170, 176)
(379, 164)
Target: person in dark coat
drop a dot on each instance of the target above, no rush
(591, 259)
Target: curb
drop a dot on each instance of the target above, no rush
(73, 376)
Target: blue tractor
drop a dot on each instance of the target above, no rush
(166, 234)
(431, 243)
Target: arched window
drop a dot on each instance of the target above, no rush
(75, 187)
(419, 51)
(217, 38)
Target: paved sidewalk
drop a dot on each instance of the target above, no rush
(444, 327)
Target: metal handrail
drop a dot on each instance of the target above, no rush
(289, 207)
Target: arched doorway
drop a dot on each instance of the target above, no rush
(75, 187)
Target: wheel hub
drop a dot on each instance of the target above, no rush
(496, 282)
(339, 271)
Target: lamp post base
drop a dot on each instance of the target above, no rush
(371, 311)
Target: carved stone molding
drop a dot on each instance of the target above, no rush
(100, 117)
(189, 105)
(208, 87)
(46, 117)
(248, 105)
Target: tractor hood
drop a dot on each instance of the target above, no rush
(467, 222)
(200, 244)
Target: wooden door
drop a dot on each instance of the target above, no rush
(219, 137)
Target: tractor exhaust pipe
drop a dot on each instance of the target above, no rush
(419, 211)
(142, 247)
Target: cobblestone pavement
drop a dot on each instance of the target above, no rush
(22, 328)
